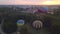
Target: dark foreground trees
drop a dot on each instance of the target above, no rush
(9, 27)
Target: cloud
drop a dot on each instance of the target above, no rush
(18, 1)
(6, 1)
(28, 2)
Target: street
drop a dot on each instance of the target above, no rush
(1, 30)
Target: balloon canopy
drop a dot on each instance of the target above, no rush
(37, 24)
(42, 9)
(20, 22)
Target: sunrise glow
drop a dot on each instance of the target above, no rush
(50, 2)
(30, 2)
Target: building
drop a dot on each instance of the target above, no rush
(52, 10)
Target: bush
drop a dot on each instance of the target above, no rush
(9, 26)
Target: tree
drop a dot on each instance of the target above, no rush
(57, 11)
(24, 31)
(9, 26)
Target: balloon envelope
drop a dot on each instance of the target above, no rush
(20, 22)
(43, 9)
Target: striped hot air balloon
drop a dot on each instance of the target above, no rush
(37, 24)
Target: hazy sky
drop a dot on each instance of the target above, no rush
(29, 2)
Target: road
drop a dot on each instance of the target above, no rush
(1, 30)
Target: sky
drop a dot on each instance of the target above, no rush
(29, 2)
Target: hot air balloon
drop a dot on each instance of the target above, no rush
(37, 24)
(20, 22)
(42, 9)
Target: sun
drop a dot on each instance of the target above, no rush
(49, 2)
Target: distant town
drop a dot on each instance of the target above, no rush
(29, 8)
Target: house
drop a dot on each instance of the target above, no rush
(52, 9)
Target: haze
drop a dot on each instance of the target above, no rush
(29, 2)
